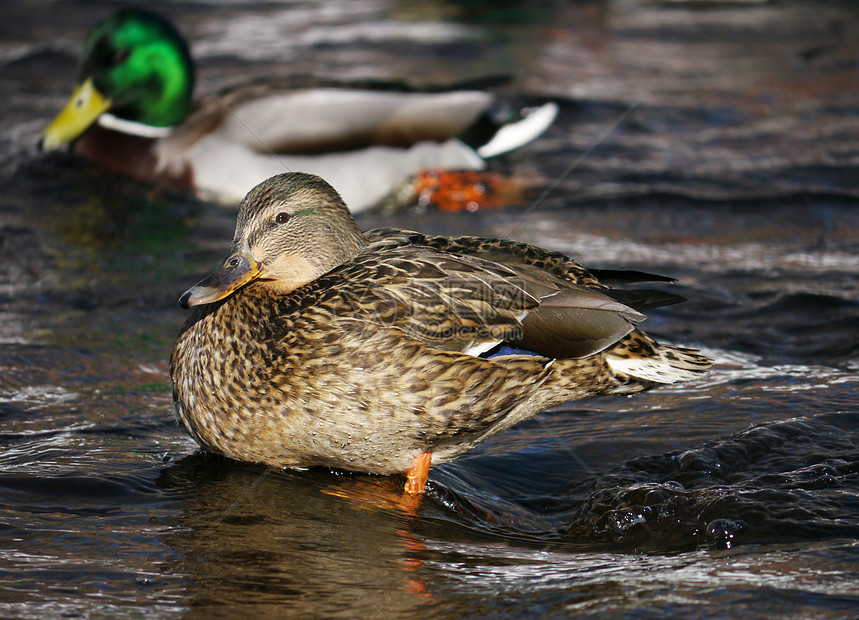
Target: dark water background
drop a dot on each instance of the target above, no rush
(713, 141)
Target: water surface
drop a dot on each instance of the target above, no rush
(715, 142)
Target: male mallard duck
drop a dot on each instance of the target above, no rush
(134, 96)
(316, 344)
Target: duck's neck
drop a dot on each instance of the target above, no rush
(356, 243)
(345, 243)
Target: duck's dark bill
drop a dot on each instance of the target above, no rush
(239, 269)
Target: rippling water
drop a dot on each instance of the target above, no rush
(715, 142)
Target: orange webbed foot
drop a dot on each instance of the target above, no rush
(416, 477)
(465, 190)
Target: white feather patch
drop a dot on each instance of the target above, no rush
(652, 369)
(109, 121)
(476, 349)
(520, 133)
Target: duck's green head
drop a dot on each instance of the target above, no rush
(137, 68)
(290, 230)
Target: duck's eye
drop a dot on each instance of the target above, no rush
(120, 56)
(282, 218)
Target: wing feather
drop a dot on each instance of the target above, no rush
(450, 294)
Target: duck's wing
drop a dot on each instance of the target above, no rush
(447, 303)
(470, 305)
(572, 320)
(515, 253)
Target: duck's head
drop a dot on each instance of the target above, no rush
(136, 68)
(290, 230)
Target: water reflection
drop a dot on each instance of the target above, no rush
(291, 543)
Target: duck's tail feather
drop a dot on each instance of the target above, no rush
(642, 358)
(644, 299)
(614, 277)
(511, 136)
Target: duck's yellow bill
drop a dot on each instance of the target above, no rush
(239, 269)
(83, 108)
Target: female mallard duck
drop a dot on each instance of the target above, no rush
(134, 97)
(318, 345)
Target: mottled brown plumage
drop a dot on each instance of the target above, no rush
(316, 344)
